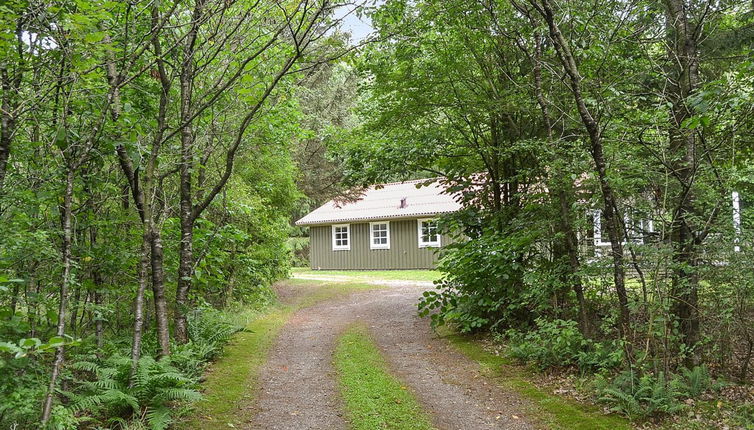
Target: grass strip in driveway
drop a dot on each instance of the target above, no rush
(231, 382)
(554, 411)
(374, 398)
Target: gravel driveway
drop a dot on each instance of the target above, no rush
(298, 387)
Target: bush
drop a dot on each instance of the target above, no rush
(485, 284)
(556, 343)
(601, 356)
(559, 343)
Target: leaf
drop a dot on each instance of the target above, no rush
(55, 342)
(94, 37)
(60, 138)
(9, 348)
(31, 342)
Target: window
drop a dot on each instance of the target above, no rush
(428, 235)
(638, 230)
(341, 237)
(599, 231)
(379, 235)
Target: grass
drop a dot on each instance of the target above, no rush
(554, 411)
(392, 275)
(374, 398)
(231, 382)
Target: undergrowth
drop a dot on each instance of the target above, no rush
(638, 393)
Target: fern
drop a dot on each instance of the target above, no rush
(641, 397)
(695, 381)
(180, 394)
(159, 418)
(87, 366)
(113, 392)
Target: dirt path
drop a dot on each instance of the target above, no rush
(298, 388)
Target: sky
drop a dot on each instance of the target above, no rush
(359, 27)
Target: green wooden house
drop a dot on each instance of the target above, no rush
(390, 226)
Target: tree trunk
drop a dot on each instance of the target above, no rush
(14, 301)
(612, 217)
(186, 251)
(99, 326)
(571, 248)
(683, 80)
(158, 291)
(7, 122)
(185, 275)
(11, 86)
(139, 303)
(74, 310)
(66, 210)
(562, 195)
(143, 197)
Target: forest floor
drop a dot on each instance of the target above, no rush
(349, 351)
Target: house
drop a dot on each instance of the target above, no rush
(391, 226)
(641, 228)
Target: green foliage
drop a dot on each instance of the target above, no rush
(299, 246)
(110, 391)
(209, 331)
(560, 343)
(695, 381)
(487, 283)
(22, 383)
(638, 395)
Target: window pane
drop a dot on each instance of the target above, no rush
(429, 232)
(340, 236)
(380, 234)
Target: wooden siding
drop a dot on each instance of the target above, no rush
(404, 252)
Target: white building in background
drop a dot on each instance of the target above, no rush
(639, 230)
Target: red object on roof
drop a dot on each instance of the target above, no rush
(409, 199)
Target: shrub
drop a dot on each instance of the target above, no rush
(601, 356)
(485, 284)
(639, 396)
(555, 343)
(559, 343)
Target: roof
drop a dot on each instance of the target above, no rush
(423, 197)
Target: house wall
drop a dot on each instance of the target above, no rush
(404, 252)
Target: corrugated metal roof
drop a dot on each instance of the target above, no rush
(384, 202)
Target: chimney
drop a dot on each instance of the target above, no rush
(403, 203)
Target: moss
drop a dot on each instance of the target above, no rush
(554, 411)
(231, 382)
(374, 398)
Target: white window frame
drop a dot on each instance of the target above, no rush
(637, 239)
(736, 202)
(423, 244)
(348, 233)
(597, 228)
(372, 245)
